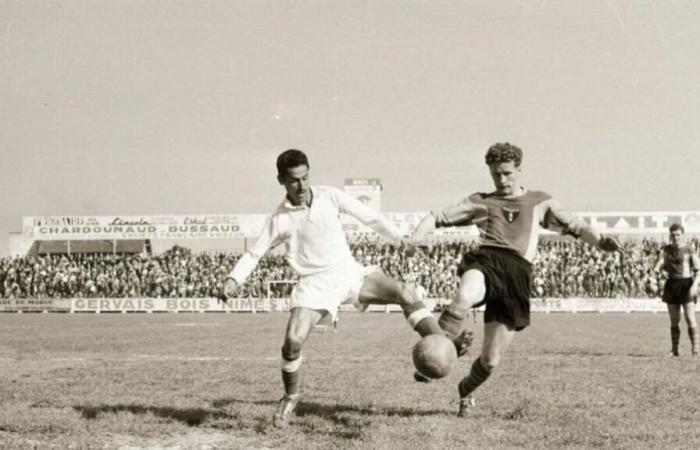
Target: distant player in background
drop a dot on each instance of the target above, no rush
(682, 269)
(538, 283)
(308, 223)
(499, 272)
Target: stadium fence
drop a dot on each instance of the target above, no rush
(272, 304)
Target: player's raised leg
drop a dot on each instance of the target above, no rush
(674, 313)
(301, 321)
(689, 314)
(497, 338)
(472, 289)
(379, 289)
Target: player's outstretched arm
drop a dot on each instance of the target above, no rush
(459, 214)
(601, 241)
(558, 218)
(423, 229)
(269, 236)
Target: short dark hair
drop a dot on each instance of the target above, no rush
(289, 159)
(676, 226)
(504, 152)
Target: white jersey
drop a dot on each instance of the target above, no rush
(313, 235)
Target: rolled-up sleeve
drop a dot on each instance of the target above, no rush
(461, 213)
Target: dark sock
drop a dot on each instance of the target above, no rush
(694, 335)
(291, 381)
(675, 338)
(476, 377)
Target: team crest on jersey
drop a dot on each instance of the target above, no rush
(511, 214)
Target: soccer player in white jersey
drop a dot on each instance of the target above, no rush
(499, 273)
(308, 224)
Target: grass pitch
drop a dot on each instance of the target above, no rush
(212, 381)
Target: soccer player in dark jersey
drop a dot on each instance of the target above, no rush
(499, 272)
(682, 268)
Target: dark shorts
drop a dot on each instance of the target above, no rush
(677, 291)
(508, 278)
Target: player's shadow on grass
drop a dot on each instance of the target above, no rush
(350, 420)
(576, 352)
(231, 401)
(326, 410)
(190, 416)
(595, 353)
(640, 355)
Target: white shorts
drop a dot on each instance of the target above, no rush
(328, 290)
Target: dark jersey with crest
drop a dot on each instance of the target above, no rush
(680, 261)
(510, 222)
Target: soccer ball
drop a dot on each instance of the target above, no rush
(434, 355)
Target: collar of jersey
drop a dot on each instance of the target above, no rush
(523, 191)
(288, 204)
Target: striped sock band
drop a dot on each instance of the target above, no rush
(421, 319)
(451, 322)
(476, 377)
(675, 338)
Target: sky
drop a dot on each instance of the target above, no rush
(120, 107)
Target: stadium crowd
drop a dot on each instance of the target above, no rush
(563, 268)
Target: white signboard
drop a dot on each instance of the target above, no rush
(222, 226)
(600, 305)
(366, 190)
(99, 305)
(642, 222)
(228, 226)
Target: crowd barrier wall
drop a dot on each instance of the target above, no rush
(256, 305)
(35, 305)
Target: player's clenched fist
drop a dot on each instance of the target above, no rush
(230, 289)
(610, 244)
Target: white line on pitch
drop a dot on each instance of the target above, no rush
(213, 358)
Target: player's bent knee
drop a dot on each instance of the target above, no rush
(291, 349)
(471, 295)
(472, 289)
(490, 362)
